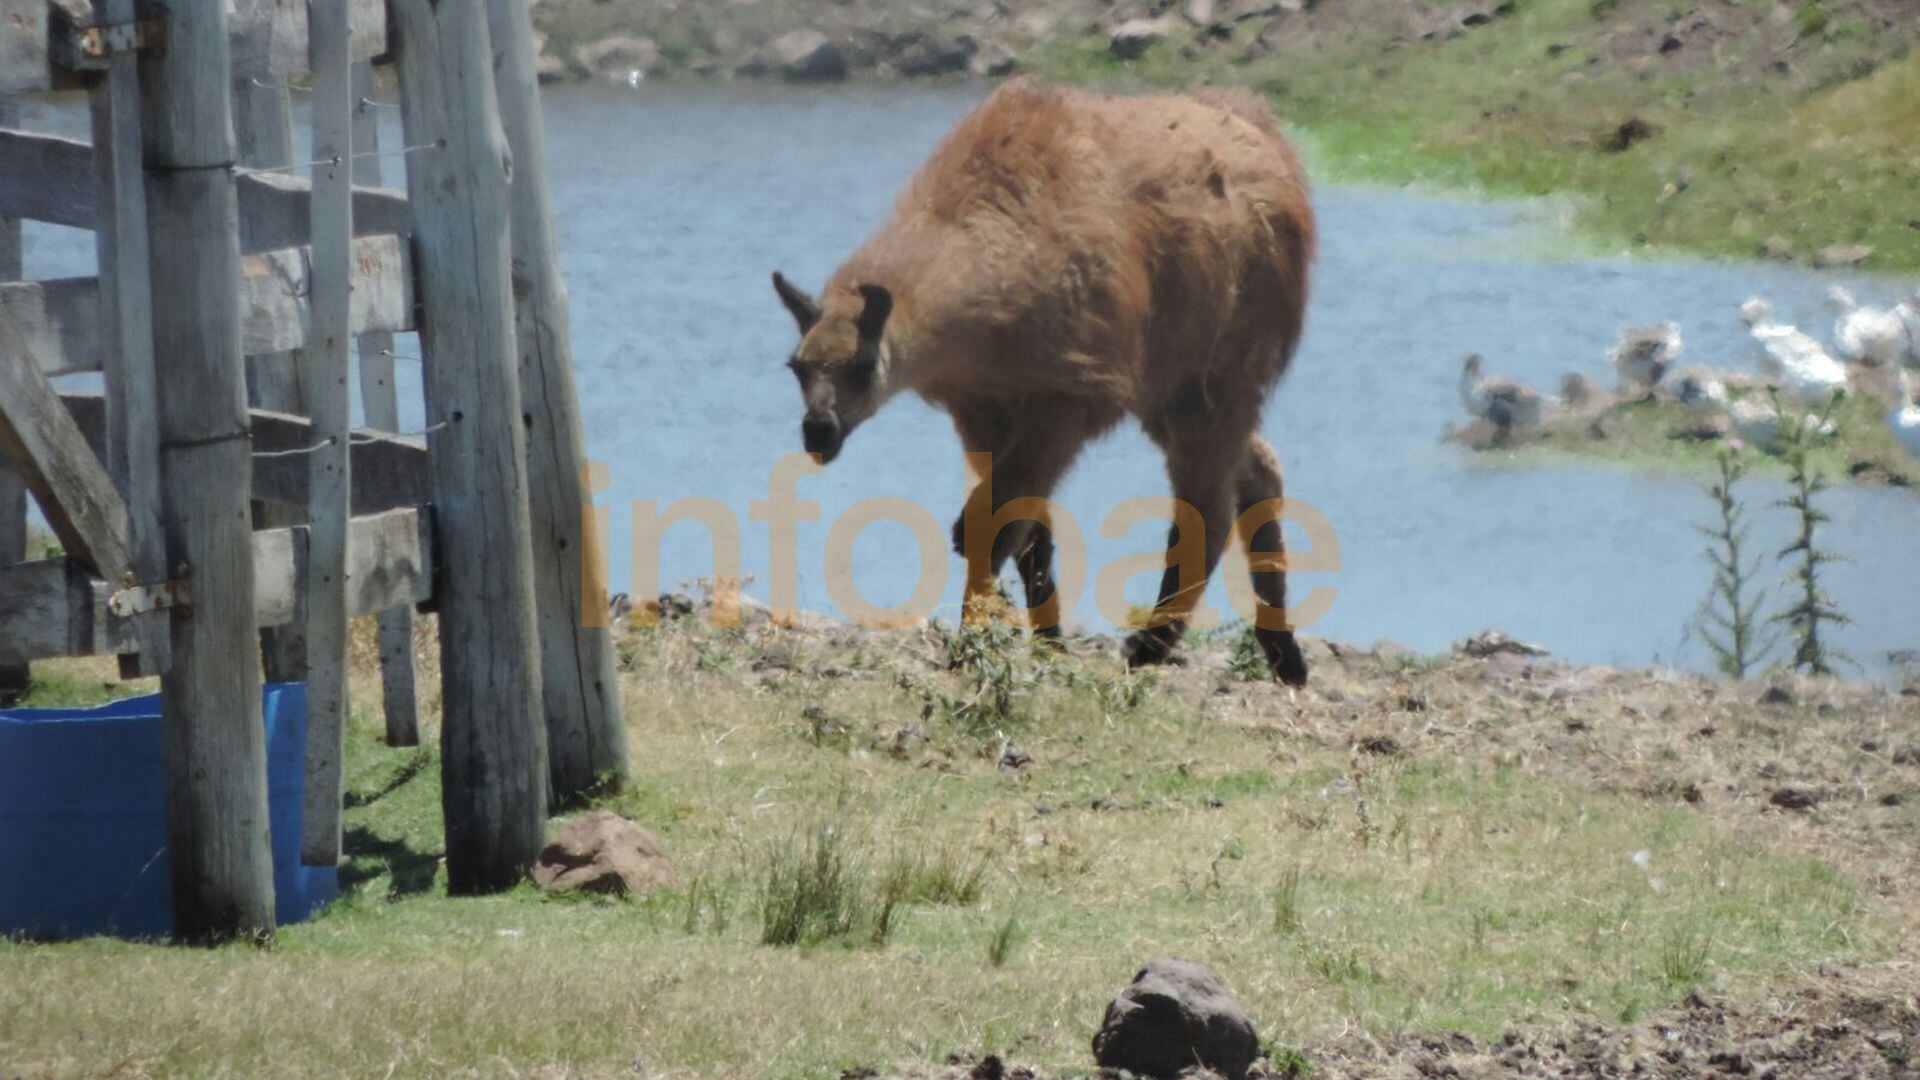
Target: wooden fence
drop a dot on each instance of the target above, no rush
(214, 500)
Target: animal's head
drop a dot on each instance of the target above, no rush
(1756, 311)
(841, 362)
(1840, 301)
(1472, 367)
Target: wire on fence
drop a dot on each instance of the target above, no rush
(338, 159)
(358, 438)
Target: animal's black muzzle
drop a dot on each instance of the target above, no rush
(822, 437)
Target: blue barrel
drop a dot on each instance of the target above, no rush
(83, 819)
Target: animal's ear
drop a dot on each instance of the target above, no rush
(873, 317)
(805, 309)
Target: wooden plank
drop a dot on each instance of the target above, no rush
(389, 473)
(51, 179)
(53, 458)
(214, 744)
(380, 403)
(270, 37)
(275, 212)
(23, 46)
(392, 563)
(123, 309)
(580, 685)
(46, 611)
(276, 288)
(59, 321)
(56, 608)
(493, 738)
(263, 139)
(329, 399)
(46, 178)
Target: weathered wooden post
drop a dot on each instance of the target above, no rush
(580, 686)
(324, 384)
(263, 139)
(215, 745)
(15, 679)
(493, 742)
(380, 401)
(126, 326)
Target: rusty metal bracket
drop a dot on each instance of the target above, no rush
(140, 599)
(90, 48)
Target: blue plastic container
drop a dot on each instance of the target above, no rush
(83, 819)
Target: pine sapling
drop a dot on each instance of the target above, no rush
(1730, 615)
(1813, 612)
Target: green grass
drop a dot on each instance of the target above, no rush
(1662, 435)
(966, 908)
(1827, 152)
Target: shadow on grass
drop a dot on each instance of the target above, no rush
(369, 856)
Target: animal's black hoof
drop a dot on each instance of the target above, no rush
(1283, 656)
(1153, 647)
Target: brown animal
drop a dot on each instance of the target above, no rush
(1065, 259)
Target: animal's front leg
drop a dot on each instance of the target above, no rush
(1207, 508)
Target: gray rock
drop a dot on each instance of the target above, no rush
(930, 56)
(808, 56)
(1173, 1016)
(1132, 39)
(993, 60)
(1842, 255)
(615, 57)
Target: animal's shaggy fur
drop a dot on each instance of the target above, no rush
(1063, 260)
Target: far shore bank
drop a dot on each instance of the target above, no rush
(1752, 131)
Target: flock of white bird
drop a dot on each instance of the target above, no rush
(1804, 375)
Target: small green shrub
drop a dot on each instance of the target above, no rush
(1005, 941)
(815, 891)
(943, 878)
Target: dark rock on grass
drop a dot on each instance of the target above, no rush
(1631, 132)
(1383, 746)
(1777, 695)
(1489, 643)
(1800, 799)
(1173, 1016)
(606, 853)
(1132, 39)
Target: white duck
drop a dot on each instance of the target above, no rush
(1505, 404)
(1796, 363)
(1701, 391)
(1905, 417)
(1865, 335)
(1645, 354)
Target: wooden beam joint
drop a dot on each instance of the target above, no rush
(92, 48)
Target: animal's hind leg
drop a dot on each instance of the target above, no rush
(1035, 564)
(1205, 471)
(1260, 482)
